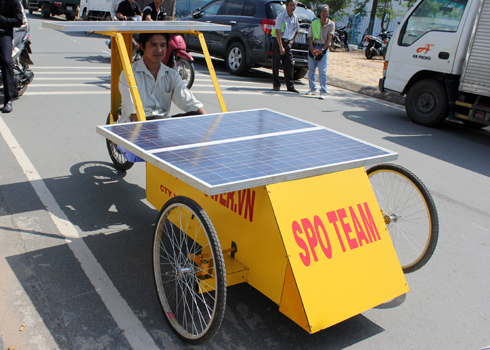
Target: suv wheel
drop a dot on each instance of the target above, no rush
(236, 60)
(299, 73)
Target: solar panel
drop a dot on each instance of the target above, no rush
(225, 152)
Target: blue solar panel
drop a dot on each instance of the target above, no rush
(211, 127)
(236, 150)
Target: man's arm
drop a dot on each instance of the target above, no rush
(278, 35)
(15, 20)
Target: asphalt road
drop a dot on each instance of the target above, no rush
(75, 235)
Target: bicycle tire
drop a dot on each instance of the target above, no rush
(409, 213)
(118, 159)
(189, 270)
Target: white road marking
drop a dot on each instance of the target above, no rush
(122, 314)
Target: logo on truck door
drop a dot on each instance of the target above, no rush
(424, 49)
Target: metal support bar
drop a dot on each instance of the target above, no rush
(212, 72)
(126, 65)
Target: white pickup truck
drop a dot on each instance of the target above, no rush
(439, 57)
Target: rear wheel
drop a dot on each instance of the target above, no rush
(119, 160)
(409, 213)
(299, 73)
(236, 62)
(367, 52)
(189, 270)
(186, 71)
(427, 102)
(45, 10)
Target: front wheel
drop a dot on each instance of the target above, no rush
(118, 159)
(427, 102)
(186, 71)
(189, 270)
(409, 213)
(236, 62)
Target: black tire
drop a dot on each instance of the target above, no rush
(186, 256)
(45, 10)
(31, 10)
(119, 160)
(409, 213)
(186, 71)
(367, 52)
(236, 59)
(427, 102)
(299, 73)
(70, 17)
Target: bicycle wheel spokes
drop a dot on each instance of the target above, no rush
(409, 213)
(189, 270)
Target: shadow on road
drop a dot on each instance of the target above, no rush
(117, 226)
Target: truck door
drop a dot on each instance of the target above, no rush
(427, 40)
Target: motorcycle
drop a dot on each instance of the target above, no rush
(377, 45)
(339, 40)
(176, 56)
(21, 48)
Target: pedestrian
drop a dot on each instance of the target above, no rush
(127, 9)
(154, 11)
(10, 16)
(286, 29)
(320, 35)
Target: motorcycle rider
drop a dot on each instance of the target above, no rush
(10, 16)
(154, 11)
(128, 9)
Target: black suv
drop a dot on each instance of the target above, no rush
(249, 43)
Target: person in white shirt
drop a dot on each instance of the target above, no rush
(285, 31)
(158, 85)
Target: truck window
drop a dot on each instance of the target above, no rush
(432, 15)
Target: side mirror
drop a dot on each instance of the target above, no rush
(197, 12)
(385, 22)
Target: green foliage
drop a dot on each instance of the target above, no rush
(337, 7)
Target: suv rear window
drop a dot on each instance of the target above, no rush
(304, 15)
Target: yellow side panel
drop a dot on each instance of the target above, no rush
(291, 304)
(340, 251)
(244, 217)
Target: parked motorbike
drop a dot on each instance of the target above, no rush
(376, 45)
(21, 48)
(176, 56)
(339, 40)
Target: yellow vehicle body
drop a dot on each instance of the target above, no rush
(318, 247)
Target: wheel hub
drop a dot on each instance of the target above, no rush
(426, 102)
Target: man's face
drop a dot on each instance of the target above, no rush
(290, 7)
(325, 13)
(155, 49)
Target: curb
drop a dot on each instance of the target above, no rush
(366, 90)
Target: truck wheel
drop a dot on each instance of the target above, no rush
(70, 17)
(236, 62)
(299, 73)
(45, 10)
(427, 102)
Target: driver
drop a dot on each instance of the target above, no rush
(154, 11)
(128, 9)
(158, 85)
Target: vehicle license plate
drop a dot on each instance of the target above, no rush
(300, 39)
(69, 8)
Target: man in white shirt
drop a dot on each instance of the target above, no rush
(286, 29)
(158, 85)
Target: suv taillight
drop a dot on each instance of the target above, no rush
(268, 25)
